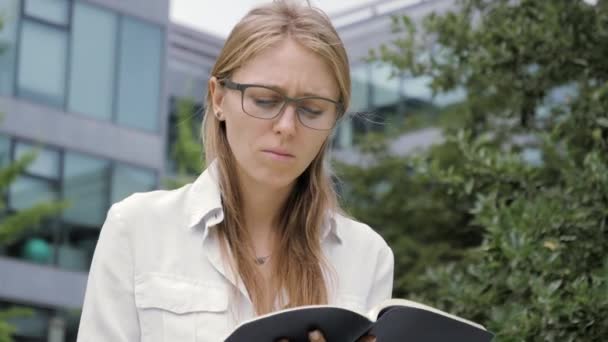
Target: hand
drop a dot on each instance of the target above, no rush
(317, 336)
(313, 336)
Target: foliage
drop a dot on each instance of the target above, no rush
(15, 225)
(6, 329)
(187, 151)
(509, 215)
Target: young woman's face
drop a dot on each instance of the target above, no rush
(276, 151)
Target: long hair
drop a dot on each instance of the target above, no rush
(298, 262)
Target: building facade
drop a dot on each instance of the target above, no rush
(92, 87)
(388, 100)
(83, 84)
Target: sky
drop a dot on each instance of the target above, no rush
(219, 16)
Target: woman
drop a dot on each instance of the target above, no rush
(260, 229)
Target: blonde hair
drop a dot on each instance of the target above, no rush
(299, 263)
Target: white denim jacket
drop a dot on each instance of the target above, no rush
(157, 272)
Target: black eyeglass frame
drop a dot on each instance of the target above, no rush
(225, 82)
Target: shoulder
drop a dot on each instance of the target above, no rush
(147, 210)
(357, 234)
(150, 202)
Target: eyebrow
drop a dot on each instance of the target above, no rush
(281, 90)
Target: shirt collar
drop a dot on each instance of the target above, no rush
(205, 204)
(330, 225)
(204, 199)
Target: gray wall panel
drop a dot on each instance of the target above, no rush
(79, 133)
(151, 10)
(40, 285)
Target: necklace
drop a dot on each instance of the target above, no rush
(261, 260)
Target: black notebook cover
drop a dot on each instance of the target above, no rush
(395, 324)
(399, 323)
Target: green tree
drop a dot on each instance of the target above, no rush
(186, 151)
(509, 215)
(13, 226)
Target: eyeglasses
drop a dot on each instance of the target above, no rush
(266, 103)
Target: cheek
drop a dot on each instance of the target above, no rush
(235, 124)
(313, 143)
(237, 137)
(243, 135)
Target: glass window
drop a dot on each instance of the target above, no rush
(139, 75)
(451, 97)
(418, 88)
(5, 151)
(187, 80)
(9, 15)
(54, 11)
(86, 187)
(42, 78)
(130, 179)
(360, 82)
(25, 192)
(386, 88)
(31, 327)
(345, 134)
(46, 163)
(92, 57)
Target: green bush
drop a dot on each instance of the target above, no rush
(506, 221)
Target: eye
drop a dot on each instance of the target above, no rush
(266, 102)
(310, 111)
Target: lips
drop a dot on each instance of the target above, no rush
(279, 153)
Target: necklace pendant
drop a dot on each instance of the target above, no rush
(261, 260)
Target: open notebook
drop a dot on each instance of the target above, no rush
(394, 320)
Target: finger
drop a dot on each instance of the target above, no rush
(283, 340)
(316, 336)
(367, 338)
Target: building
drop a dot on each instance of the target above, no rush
(85, 82)
(92, 85)
(388, 101)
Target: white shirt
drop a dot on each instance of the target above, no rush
(157, 272)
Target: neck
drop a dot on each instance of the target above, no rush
(261, 212)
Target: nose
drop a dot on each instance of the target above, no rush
(285, 123)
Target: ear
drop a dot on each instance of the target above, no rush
(217, 94)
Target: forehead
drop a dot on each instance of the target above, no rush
(291, 67)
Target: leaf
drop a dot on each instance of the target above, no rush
(469, 186)
(551, 244)
(602, 122)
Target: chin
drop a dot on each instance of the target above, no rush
(271, 175)
(277, 179)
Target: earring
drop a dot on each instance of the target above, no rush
(218, 115)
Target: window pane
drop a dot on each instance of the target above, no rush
(46, 163)
(9, 14)
(26, 192)
(187, 80)
(72, 257)
(139, 75)
(5, 151)
(33, 327)
(386, 88)
(42, 78)
(360, 82)
(454, 96)
(55, 11)
(92, 61)
(345, 134)
(86, 187)
(129, 179)
(418, 88)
